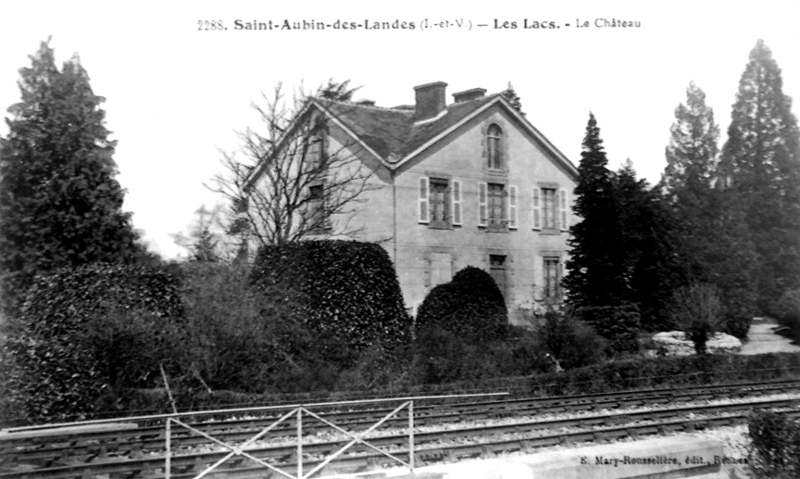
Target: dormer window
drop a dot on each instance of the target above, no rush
(494, 143)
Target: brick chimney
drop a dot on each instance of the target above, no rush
(471, 94)
(430, 100)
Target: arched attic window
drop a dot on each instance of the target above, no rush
(494, 143)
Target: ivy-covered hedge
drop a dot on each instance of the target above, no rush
(339, 289)
(83, 334)
(470, 306)
(775, 449)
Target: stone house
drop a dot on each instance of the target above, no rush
(469, 183)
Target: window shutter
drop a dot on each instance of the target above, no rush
(564, 211)
(483, 204)
(512, 207)
(424, 213)
(456, 196)
(537, 209)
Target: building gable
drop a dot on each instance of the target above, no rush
(474, 128)
(397, 136)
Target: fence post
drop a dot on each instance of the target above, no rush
(411, 435)
(300, 443)
(167, 466)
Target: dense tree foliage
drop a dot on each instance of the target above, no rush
(648, 233)
(692, 152)
(712, 242)
(760, 165)
(60, 205)
(597, 275)
(624, 262)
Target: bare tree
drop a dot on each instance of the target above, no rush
(697, 310)
(298, 179)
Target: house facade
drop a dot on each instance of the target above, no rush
(469, 183)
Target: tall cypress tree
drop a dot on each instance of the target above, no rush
(597, 275)
(60, 205)
(760, 165)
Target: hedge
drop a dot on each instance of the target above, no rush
(83, 334)
(640, 373)
(339, 289)
(775, 446)
(470, 306)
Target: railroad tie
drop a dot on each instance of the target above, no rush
(451, 456)
(88, 473)
(199, 464)
(487, 453)
(525, 446)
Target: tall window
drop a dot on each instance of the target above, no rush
(497, 205)
(550, 208)
(552, 281)
(494, 143)
(315, 154)
(316, 218)
(440, 203)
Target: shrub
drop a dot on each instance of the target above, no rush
(444, 356)
(84, 334)
(739, 309)
(470, 306)
(775, 448)
(233, 340)
(617, 324)
(340, 289)
(738, 324)
(570, 341)
(787, 312)
(788, 307)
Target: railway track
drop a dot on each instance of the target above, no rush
(443, 431)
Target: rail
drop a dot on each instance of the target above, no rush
(298, 411)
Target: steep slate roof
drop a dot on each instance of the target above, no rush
(385, 130)
(393, 134)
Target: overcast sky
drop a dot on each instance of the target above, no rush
(177, 95)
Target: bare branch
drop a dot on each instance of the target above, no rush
(294, 182)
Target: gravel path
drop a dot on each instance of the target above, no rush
(762, 339)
